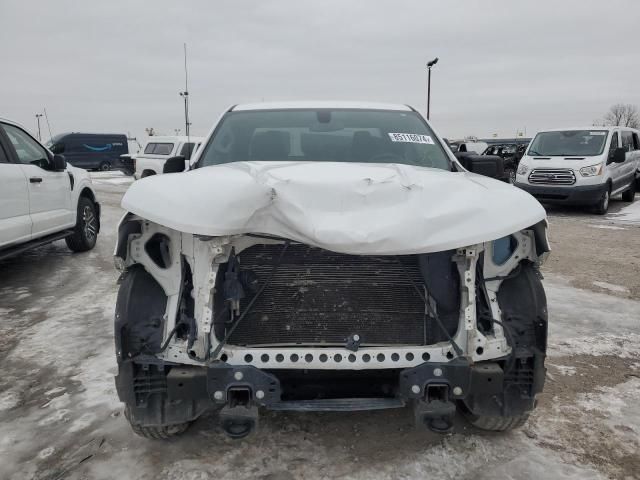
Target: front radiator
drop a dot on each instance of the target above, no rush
(322, 297)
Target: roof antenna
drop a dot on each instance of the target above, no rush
(185, 96)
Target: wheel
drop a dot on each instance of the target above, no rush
(511, 175)
(105, 166)
(165, 432)
(86, 229)
(147, 173)
(602, 206)
(497, 424)
(629, 194)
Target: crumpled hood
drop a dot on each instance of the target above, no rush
(356, 208)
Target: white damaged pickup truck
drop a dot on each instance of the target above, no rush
(328, 257)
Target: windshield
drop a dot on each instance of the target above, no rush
(569, 143)
(369, 136)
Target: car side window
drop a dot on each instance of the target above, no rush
(627, 141)
(3, 155)
(636, 141)
(187, 150)
(614, 144)
(28, 150)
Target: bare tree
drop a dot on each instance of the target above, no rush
(623, 115)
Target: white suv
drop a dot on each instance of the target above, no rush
(42, 198)
(159, 149)
(581, 166)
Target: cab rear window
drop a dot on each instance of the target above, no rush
(159, 148)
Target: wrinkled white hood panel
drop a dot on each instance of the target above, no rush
(356, 208)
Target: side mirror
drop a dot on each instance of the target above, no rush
(174, 165)
(619, 155)
(58, 163)
(487, 165)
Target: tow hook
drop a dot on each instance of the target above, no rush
(239, 417)
(436, 411)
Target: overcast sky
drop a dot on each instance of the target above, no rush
(117, 66)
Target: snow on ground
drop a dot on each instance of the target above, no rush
(611, 286)
(60, 417)
(629, 214)
(112, 177)
(606, 227)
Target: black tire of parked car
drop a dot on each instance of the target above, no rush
(86, 230)
(147, 173)
(105, 166)
(629, 194)
(602, 207)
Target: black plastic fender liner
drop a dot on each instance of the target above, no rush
(128, 227)
(524, 313)
(524, 308)
(139, 316)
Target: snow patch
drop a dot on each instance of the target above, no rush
(630, 214)
(46, 452)
(565, 370)
(612, 286)
(606, 227)
(9, 400)
(577, 313)
(54, 391)
(627, 346)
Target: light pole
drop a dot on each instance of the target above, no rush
(38, 115)
(429, 65)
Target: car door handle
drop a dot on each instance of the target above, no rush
(35, 180)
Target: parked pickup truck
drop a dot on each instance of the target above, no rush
(328, 256)
(158, 149)
(42, 198)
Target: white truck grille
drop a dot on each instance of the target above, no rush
(552, 176)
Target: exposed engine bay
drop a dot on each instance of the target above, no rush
(321, 309)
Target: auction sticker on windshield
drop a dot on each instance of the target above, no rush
(410, 138)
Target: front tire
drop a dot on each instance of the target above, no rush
(602, 207)
(86, 230)
(165, 432)
(511, 175)
(497, 424)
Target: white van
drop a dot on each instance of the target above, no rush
(159, 149)
(581, 166)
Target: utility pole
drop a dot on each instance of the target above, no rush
(38, 115)
(429, 65)
(46, 117)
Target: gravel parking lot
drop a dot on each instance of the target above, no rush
(60, 416)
